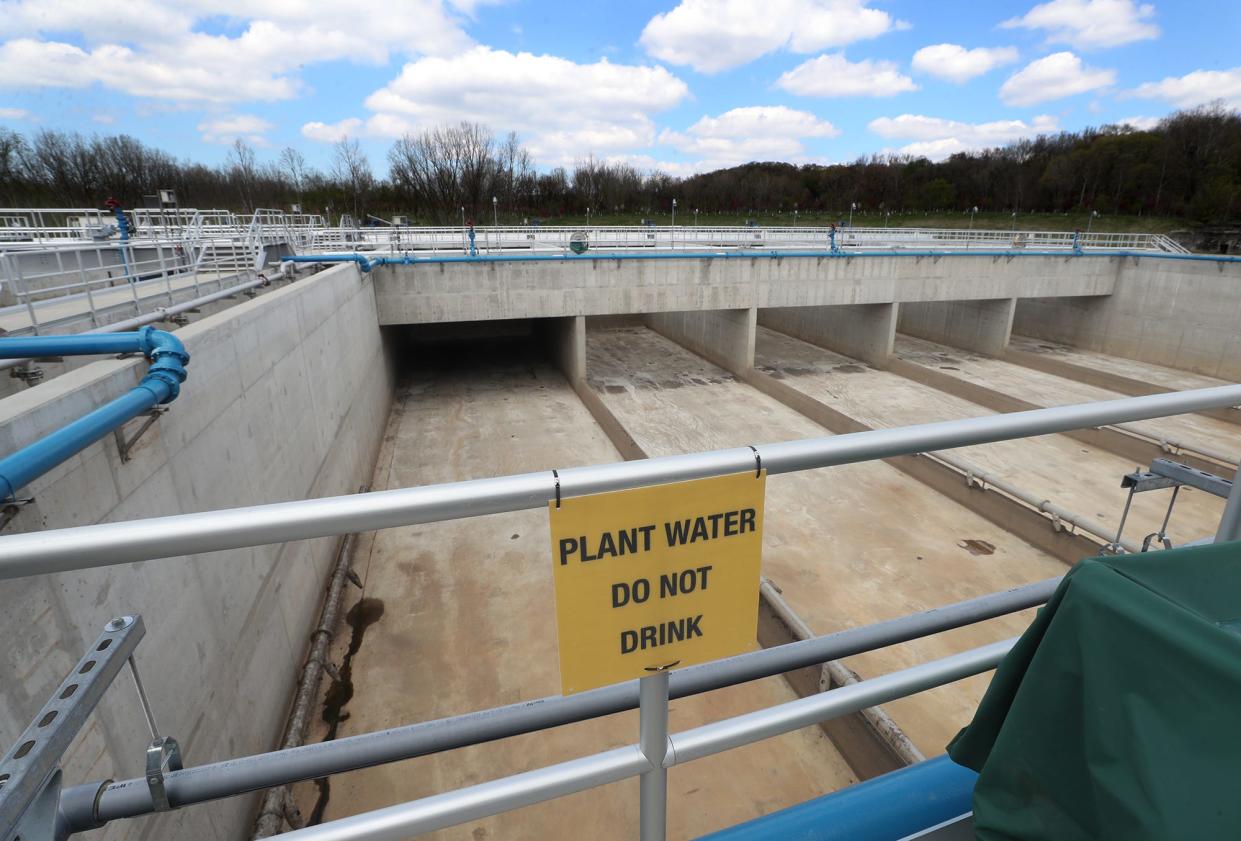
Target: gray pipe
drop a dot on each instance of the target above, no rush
(84, 547)
(271, 814)
(1046, 505)
(1230, 523)
(91, 805)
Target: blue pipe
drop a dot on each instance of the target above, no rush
(366, 264)
(161, 384)
(885, 808)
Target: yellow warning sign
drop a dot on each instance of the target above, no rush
(652, 577)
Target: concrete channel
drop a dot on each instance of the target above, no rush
(459, 620)
(490, 399)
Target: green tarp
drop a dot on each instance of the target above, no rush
(1117, 715)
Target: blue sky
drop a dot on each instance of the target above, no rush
(682, 85)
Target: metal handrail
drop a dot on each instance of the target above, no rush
(84, 806)
(84, 547)
(399, 822)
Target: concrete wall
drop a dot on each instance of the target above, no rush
(726, 337)
(566, 342)
(982, 326)
(863, 331)
(1181, 313)
(287, 398)
(543, 289)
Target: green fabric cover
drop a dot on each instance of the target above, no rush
(1117, 715)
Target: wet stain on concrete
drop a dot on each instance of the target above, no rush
(361, 616)
(977, 547)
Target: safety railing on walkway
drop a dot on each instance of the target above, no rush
(563, 239)
(31, 767)
(73, 284)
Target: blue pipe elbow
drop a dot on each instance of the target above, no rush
(168, 360)
(161, 384)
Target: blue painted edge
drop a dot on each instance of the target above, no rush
(886, 808)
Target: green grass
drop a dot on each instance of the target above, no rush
(987, 221)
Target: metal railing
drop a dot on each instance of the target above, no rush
(105, 544)
(72, 284)
(495, 240)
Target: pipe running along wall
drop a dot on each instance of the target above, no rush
(161, 384)
(367, 263)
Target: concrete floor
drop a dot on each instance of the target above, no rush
(1144, 371)
(467, 623)
(1050, 390)
(849, 545)
(1082, 479)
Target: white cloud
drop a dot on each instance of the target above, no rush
(1087, 24)
(957, 64)
(715, 35)
(1196, 88)
(563, 109)
(1139, 123)
(1053, 77)
(246, 127)
(937, 138)
(333, 132)
(755, 133)
(161, 50)
(15, 114)
(833, 75)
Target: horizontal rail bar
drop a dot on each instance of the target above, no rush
(84, 805)
(85, 547)
(396, 823)
(743, 252)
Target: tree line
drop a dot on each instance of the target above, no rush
(1189, 165)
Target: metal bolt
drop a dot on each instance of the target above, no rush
(119, 623)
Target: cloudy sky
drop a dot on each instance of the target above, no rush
(683, 86)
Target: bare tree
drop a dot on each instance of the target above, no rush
(449, 167)
(352, 169)
(293, 164)
(243, 171)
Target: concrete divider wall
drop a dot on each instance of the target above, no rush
(1180, 313)
(982, 326)
(286, 399)
(726, 337)
(480, 291)
(865, 331)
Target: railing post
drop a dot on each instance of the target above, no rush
(653, 739)
(23, 293)
(86, 284)
(1230, 523)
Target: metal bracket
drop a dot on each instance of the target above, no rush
(31, 375)
(163, 753)
(125, 445)
(1151, 538)
(30, 770)
(11, 508)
